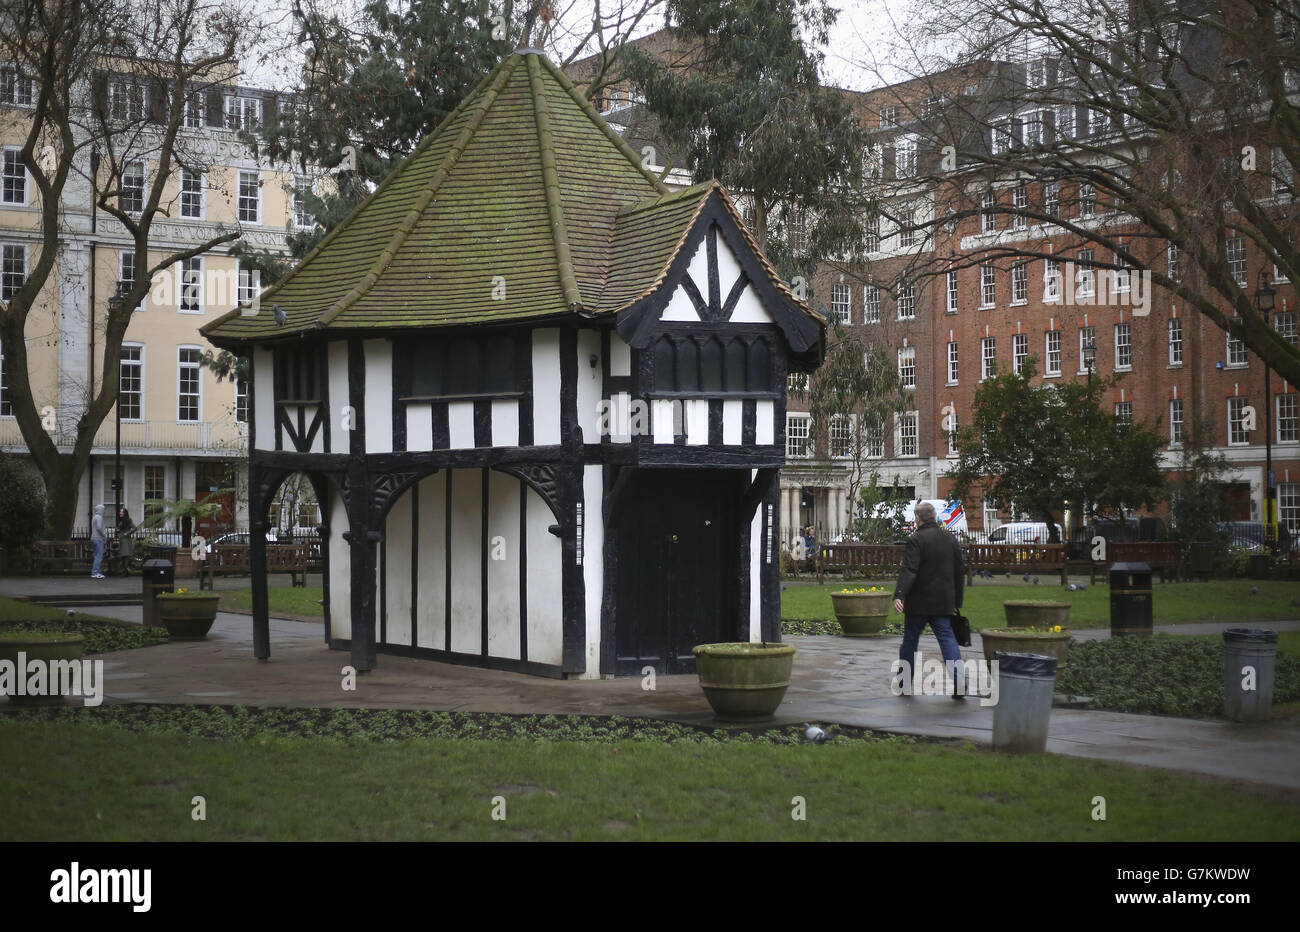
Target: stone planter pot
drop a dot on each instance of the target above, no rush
(45, 647)
(744, 682)
(1036, 614)
(861, 614)
(1023, 641)
(187, 617)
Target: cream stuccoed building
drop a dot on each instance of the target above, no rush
(182, 433)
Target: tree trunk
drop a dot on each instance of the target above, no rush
(61, 488)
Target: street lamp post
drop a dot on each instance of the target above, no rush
(114, 305)
(1089, 350)
(1264, 296)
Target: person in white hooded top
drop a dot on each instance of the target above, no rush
(98, 537)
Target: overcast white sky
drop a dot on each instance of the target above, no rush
(856, 58)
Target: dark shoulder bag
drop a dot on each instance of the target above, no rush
(961, 628)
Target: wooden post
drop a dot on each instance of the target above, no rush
(257, 561)
(361, 550)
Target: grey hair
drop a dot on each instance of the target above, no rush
(924, 513)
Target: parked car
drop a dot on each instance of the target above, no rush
(240, 538)
(1128, 529)
(1021, 532)
(1250, 535)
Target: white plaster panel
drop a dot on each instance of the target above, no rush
(589, 383)
(318, 441)
(546, 387)
(733, 422)
(340, 607)
(379, 396)
(593, 562)
(431, 604)
(755, 570)
(728, 268)
(680, 306)
(336, 354)
(503, 574)
(620, 355)
(505, 423)
(663, 413)
(466, 565)
(264, 398)
(396, 571)
(620, 417)
(696, 414)
(419, 427)
(749, 309)
(460, 425)
(764, 423)
(545, 594)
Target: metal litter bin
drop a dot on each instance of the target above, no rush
(1026, 683)
(1248, 658)
(1130, 599)
(157, 576)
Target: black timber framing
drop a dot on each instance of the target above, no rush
(369, 483)
(569, 485)
(638, 322)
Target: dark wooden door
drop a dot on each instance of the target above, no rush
(211, 484)
(678, 551)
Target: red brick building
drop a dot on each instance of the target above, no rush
(950, 301)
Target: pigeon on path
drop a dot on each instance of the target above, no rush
(814, 734)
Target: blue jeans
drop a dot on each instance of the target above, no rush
(941, 625)
(99, 557)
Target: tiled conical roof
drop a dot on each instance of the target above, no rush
(523, 204)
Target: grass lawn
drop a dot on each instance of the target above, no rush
(1216, 600)
(141, 787)
(283, 600)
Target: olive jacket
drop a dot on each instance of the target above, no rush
(933, 576)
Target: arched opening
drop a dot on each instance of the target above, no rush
(468, 565)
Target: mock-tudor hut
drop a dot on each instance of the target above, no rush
(541, 397)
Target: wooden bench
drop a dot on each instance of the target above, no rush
(858, 559)
(1163, 556)
(1016, 559)
(236, 560)
(64, 556)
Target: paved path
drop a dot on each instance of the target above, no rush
(835, 680)
(14, 586)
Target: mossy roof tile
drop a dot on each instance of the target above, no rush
(523, 185)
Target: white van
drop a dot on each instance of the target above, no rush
(1020, 532)
(950, 515)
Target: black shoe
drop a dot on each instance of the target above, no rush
(960, 697)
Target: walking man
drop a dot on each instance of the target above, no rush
(98, 537)
(930, 589)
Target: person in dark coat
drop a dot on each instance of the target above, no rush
(930, 587)
(125, 545)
